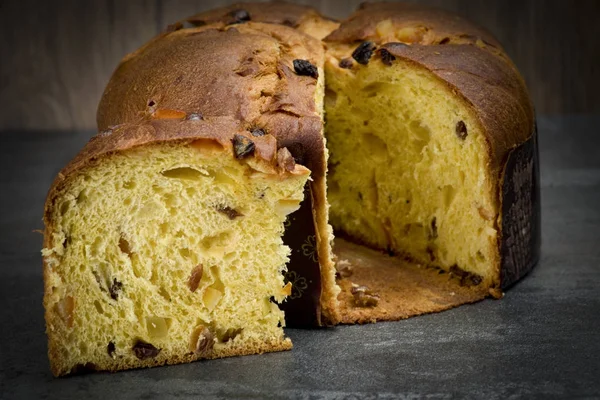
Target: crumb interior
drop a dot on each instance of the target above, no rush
(407, 168)
(155, 245)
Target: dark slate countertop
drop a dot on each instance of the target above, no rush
(541, 341)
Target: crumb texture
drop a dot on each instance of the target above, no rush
(166, 254)
(408, 167)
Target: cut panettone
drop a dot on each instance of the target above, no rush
(151, 251)
(175, 215)
(164, 236)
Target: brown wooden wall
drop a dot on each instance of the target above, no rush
(58, 55)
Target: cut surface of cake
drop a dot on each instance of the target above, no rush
(152, 255)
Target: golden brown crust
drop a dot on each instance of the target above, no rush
(244, 73)
(303, 18)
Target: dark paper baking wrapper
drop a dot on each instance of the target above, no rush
(302, 307)
(521, 214)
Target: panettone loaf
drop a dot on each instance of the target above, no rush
(163, 238)
(432, 180)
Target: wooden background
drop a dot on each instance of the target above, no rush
(57, 56)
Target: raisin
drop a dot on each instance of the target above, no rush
(305, 68)
(461, 130)
(356, 289)
(115, 288)
(258, 132)
(195, 277)
(230, 212)
(239, 16)
(194, 117)
(346, 63)
(124, 246)
(466, 278)
(457, 271)
(434, 231)
(143, 350)
(242, 146)
(362, 54)
(475, 279)
(431, 251)
(386, 57)
(174, 27)
(111, 349)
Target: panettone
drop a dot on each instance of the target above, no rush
(163, 238)
(208, 135)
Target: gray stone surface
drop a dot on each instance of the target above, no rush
(541, 341)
